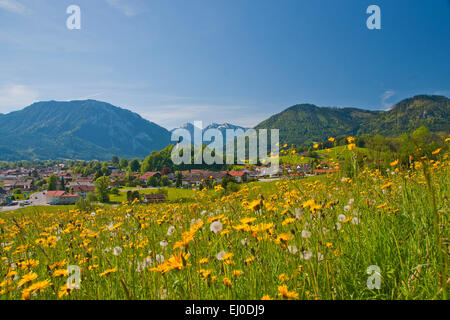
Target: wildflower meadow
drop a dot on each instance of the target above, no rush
(372, 234)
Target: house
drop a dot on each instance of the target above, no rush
(86, 179)
(147, 175)
(82, 188)
(197, 177)
(239, 176)
(305, 168)
(26, 185)
(60, 198)
(272, 172)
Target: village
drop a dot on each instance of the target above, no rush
(31, 186)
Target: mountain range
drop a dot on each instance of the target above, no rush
(92, 129)
(222, 127)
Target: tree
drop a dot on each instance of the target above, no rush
(52, 182)
(179, 181)
(165, 181)
(123, 163)
(115, 160)
(91, 197)
(101, 189)
(153, 181)
(135, 165)
(132, 195)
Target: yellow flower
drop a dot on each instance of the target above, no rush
(248, 260)
(27, 278)
(283, 277)
(63, 291)
(60, 273)
(331, 139)
(437, 151)
(287, 221)
(237, 273)
(28, 264)
(316, 145)
(205, 273)
(394, 163)
(227, 282)
(40, 286)
(108, 272)
(387, 185)
(286, 294)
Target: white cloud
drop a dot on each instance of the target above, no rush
(13, 6)
(385, 97)
(14, 97)
(128, 9)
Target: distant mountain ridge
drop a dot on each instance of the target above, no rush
(84, 130)
(222, 127)
(307, 123)
(93, 129)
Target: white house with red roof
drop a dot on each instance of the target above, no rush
(60, 198)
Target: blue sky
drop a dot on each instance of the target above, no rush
(238, 61)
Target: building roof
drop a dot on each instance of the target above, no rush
(55, 193)
(237, 173)
(147, 175)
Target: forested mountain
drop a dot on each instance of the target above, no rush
(77, 130)
(307, 123)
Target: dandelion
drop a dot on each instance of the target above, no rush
(292, 249)
(171, 230)
(163, 243)
(220, 255)
(117, 251)
(355, 220)
(306, 234)
(159, 258)
(216, 227)
(347, 208)
(342, 217)
(306, 254)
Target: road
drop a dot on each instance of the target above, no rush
(36, 199)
